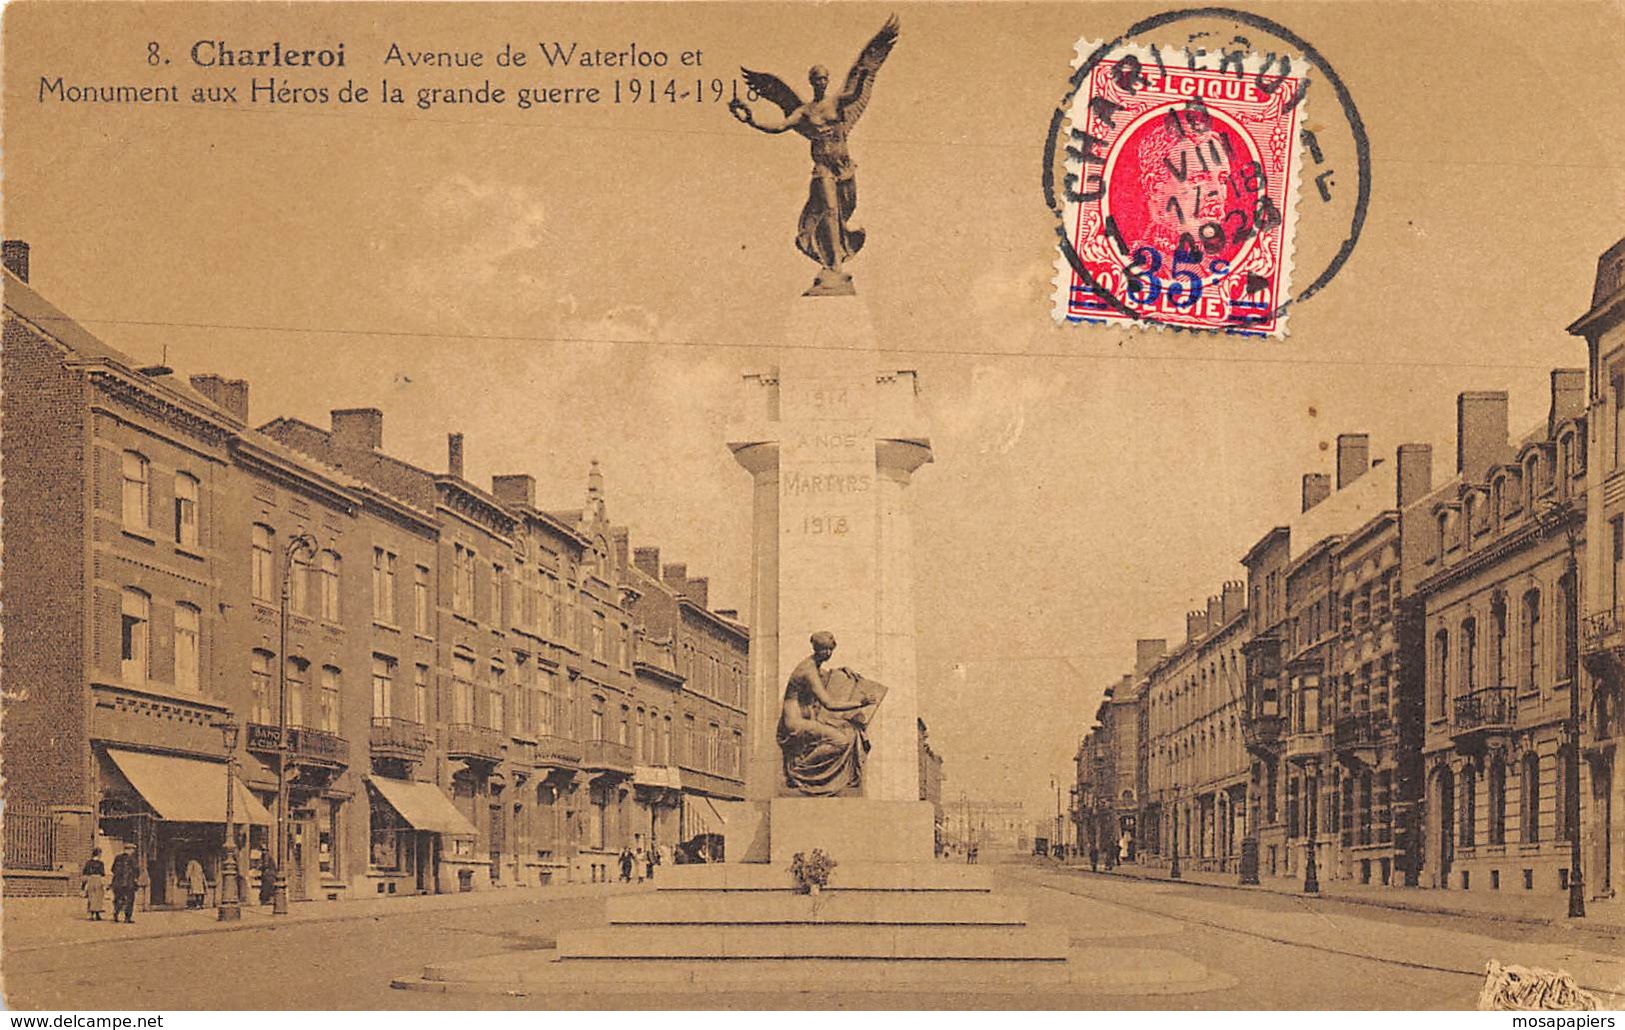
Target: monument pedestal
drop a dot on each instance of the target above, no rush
(855, 830)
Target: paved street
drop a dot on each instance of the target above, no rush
(1263, 951)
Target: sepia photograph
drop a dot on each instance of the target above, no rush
(489, 522)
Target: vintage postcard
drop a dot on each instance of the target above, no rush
(731, 506)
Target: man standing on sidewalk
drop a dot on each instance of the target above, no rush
(125, 876)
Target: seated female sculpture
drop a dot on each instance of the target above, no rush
(823, 728)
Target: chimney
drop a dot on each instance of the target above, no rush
(1353, 457)
(1215, 614)
(647, 559)
(357, 429)
(1235, 599)
(676, 577)
(1568, 396)
(16, 258)
(699, 591)
(515, 489)
(595, 492)
(1413, 475)
(230, 395)
(1146, 653)
(1481, 433)
(1195, 625)
(454, 454)
(1317, 486)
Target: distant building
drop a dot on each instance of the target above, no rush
(931, 777)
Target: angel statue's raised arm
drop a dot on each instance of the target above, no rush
(825, 120)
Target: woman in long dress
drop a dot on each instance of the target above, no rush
(95, 874)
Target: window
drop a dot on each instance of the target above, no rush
(420, 691)
(499, 697)
(623, 731)
(1467, 799)
(1619, 420)
(297, 667)
(328, 565)
(1618, 598)
(261, 566)
(383, 686)
(420, 599)
(1530, 632)
(736, 754)
(1498, 617)
(188, 656)
(1531, 798)
(462, 580)
(1441, 673)
(597, 718)
(639, 754)
(599, 624)
(260, 677)
(668, 756)
(387, 833)
(330, 699)
(1469, 655)
(1498, 802)
(462, 682)
(552, 721)
(135, 640)
(499, 608)
(623, 641)
(185, 510)
(137, 497)
(299, 583)
(383, 586)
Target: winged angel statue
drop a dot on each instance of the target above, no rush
(823, 234)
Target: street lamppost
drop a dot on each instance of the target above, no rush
(1055, 846)
(1311, 875)
(1562, 515)
(299, 542)
(231, 897)
(1173, 869)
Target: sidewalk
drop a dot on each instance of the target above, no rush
(1603, 916)
(34, 923)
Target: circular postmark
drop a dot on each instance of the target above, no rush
(1182, 173)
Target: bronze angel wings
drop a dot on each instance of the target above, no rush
(854, 95)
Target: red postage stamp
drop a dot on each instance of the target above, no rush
(1181, 192)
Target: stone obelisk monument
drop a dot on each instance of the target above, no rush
(832, 442)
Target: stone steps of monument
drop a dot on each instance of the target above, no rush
(831, 907)
(848, 876)
(723, 977)
(766, 943)
(848, 941)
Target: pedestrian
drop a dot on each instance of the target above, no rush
(626, 864)
(651, 858)
(125, 876)
(95, 875)
(1094, 859)
(663, 854)
(267, 880)
(638, 862)
(197, 885)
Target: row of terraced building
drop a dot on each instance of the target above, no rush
(1387, 687)
(481, 690)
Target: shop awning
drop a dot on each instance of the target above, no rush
(187, 790)
(663, 776)
(423, 806)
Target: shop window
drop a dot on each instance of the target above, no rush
(388, 834)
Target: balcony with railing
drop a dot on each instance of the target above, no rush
(606, 756)
(557, 752)
(1262, 734)
(657, 659)
(1484, 714)
(1356, 736)
(399, 738)
(1602, 642)
(305, 745)
(466, 742)
(1305, 746)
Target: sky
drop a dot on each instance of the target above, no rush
(568, 283)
